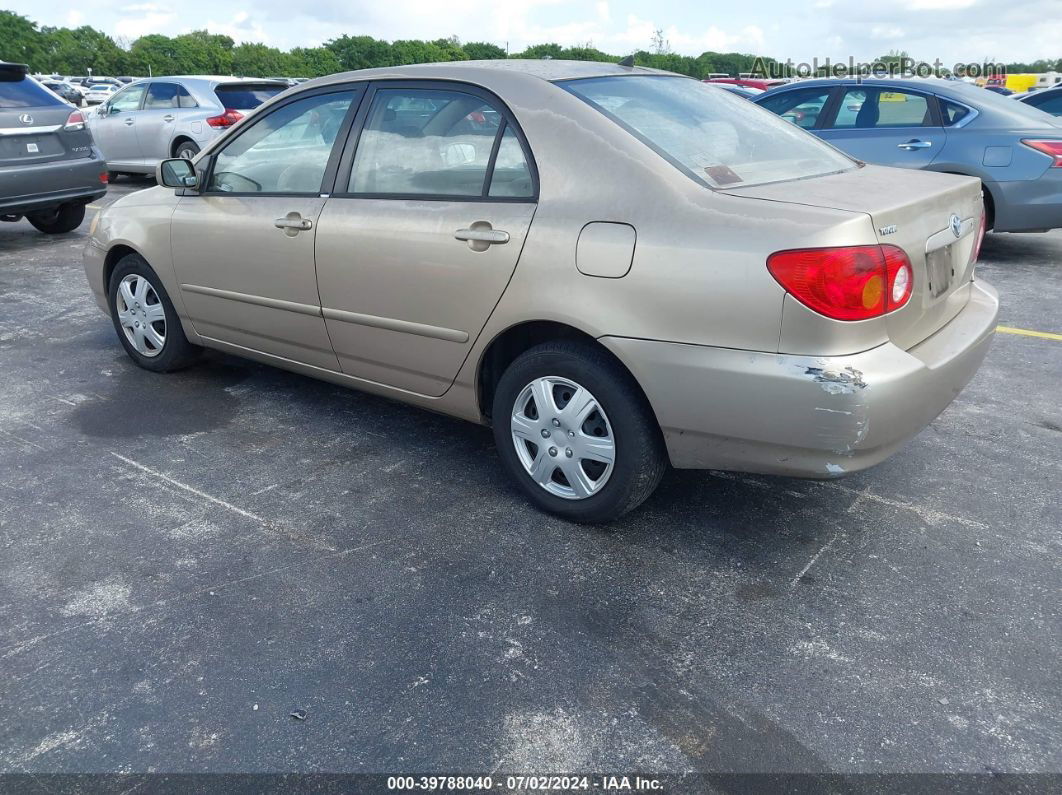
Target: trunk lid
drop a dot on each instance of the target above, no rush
(32, 122)
(915, 210)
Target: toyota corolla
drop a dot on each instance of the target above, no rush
(616, 268)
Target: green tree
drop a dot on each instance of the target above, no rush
(258, 60)
(483, 51)
(74, 52)
(202, 52)
(361, 52)
(20, 41)
(542, 51)
(313, 62)
(155, 54)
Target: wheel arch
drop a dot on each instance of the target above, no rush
(507, 345)
(175, 144)
(115, 254)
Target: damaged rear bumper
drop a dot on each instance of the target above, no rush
(805, 416)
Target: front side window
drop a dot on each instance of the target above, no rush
(801, 107)
(872, 108)
(287, 151)
(127, 100)
(718, 139)
(427, 142)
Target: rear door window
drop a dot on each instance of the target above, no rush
(871, 108)
(246, 97)
(167, 95)
(24, 92)
(801, 107)
(428, 142)
(953, 112)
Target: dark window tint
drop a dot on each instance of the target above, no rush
(24, 92)
(168, 95)
(1051, 104)
(246, 97)
(872, 108)
(802, 108)
(953, 113)
(435, 143)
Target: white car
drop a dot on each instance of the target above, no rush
(100, 92)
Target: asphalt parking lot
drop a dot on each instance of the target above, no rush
(186, 560)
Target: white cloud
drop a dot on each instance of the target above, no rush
(151, 22)
(938, 5)
(75, 18)
(886, 32)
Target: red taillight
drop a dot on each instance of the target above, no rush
(981, 229)
(104, 178)
(1050, 148)
(74, 122)
(226, 119)
(848, 282)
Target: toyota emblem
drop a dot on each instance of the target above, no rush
(956, 225)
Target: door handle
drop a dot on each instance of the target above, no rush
(293, 223)
(129, 122)
(913, 144)
(169, 117)
(480, 236)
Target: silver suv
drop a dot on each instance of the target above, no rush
(151, 120)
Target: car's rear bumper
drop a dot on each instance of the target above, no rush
(1030, 205)
(802, 415)
(25, 189)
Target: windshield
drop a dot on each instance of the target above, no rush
(717, 138)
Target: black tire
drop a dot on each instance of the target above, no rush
(187, 150)
(640, 454)
(64, 218)
(112, 176)
(176, 352)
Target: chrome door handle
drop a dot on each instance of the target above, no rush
(910, 146)
(169, 117)
(293, 223)
(129, 122)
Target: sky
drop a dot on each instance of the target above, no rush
(952, 31)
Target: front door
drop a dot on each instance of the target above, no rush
(888, 127)
(114, 127)
(243, 249)
(422, 233)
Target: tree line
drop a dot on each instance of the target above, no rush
(73, 51)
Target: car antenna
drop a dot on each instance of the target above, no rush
(628, 61)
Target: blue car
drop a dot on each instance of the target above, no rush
(1049, 100)
(940, 125)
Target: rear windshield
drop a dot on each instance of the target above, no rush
(17, 91)
(717, 138)
(247, 97)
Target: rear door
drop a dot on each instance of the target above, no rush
(422, 232)
(33, 123)
(887, 126)
(243, 249)
(114, 126)
(156, 121)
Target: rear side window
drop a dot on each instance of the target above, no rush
(717, 138)
(168, 95)
(246, 97)
(802, 108)
(17, 91)
(952, 112)
(426, 142)
(871, 108)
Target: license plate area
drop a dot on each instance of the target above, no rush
(939, 270)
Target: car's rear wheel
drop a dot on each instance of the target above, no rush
(576, 433)
(187, 150)
(144, 317)
(64, 218)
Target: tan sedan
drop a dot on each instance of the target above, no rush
(614, 267)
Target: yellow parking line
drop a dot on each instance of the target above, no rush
(1027, 333)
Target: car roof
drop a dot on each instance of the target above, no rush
(542, 69)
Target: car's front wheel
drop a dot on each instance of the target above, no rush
(144, 317)
(576, 433)
(64, 218)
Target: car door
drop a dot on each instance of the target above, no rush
(885, 125)
(157, 120)
(243, 248)
(114, 126)
(422, 232)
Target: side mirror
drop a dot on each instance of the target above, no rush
(176, 173)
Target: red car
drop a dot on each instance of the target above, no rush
(763, 84)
